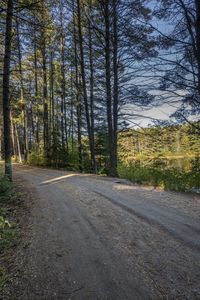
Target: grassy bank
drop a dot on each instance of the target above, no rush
(8, 228)
(169, 179)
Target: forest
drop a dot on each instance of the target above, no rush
(161, 156)
(99, 149)
(76, 76)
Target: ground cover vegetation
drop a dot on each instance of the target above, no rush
(8, 228)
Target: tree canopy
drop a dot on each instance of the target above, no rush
(70, 69)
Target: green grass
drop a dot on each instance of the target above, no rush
(169, 179)
(7, 238)
(6, 189)
(3, 278)
(8, 230)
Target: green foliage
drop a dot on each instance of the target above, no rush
(3, 278)
(6, 188)
(158, 156)
(36, 159)
(7, 237)
(158, 141)
(72, 160)
(7, 231)
(169, 179)
(161, 156)
(4, 223)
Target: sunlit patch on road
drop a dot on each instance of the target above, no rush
(57, 179)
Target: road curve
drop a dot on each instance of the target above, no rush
(94, 238)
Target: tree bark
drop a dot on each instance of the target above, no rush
(78, 99)
(45, 99)
(72, 111)
(91, 80)
(62, 54)
(13, 138)
(36, 88)
(91, 141)
(24, 108)
(115, 84)
(6, 91)
(197, 28)
(52, 103)
(112, 167)
(18, 144)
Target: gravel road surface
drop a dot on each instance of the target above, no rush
(92, 237)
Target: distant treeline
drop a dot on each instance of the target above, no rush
(157, 141)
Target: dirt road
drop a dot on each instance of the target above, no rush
(100, 238)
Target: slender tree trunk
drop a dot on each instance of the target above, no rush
(115, 84)
(32, 125)
(13, 137)
(18, 144)
(78, 98)
(197, 28)
(52, 105)
(56, 130)
(1, 144)
(36, 89)
(72, 110)
(79, 125)
(6, 90)
(1, 128)
(45, 99)
(91, 141)
(52, 101)
(91, 81)
(112, 167)
(62, 53)
(26, 146)
(65, 126)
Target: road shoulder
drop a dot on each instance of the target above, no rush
(19, 212)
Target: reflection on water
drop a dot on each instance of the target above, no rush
(182, 164)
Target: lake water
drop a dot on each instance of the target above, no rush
(183, 163)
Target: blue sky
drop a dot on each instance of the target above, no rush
(164, 110)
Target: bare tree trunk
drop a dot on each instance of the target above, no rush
(91, 141)
(72, 111)
(62, 53)
(91, 81)
(36, 88)
(45, 100)
(6, 90)
(1, 144)
(65, 126)
(32, 125)
(18, 144)
(1, 129)
(78, 99)
(52, 105)
(13, 138)
(112, 167)
(197, 28)
(26, 147)
(115, 85)
(79, 126)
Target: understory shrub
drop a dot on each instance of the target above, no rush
(6, 188)
(169, 179)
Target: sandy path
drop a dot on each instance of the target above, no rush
(94, 238)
